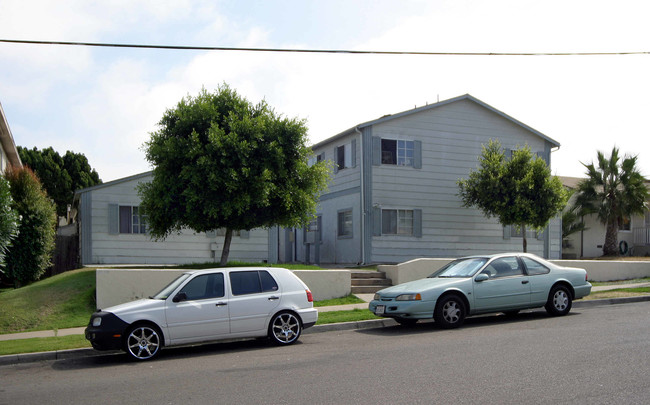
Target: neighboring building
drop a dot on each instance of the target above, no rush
(112, 230)
(394, 194)
(8, 152)
(633, 235)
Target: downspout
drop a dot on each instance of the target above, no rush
(362, 197)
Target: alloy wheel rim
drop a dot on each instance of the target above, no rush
(451, 312)
(286, 328)
(560, 300)
(143, 343)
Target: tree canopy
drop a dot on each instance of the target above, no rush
(60, 175)
(519, 191)
(221, 162)
(614, 190)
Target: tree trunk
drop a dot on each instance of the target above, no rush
(225, 252)
(610, 248)
(525, 242)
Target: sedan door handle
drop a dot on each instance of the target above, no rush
(220, 304)
(524, 282)
(273, 298)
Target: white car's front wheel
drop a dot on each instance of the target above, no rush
(143, 342)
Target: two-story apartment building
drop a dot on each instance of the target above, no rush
(394, 193)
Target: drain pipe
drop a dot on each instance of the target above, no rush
(362, 196)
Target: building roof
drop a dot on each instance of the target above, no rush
(430, 107)
(7, 141)
(112, 183)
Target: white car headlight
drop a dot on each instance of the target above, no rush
(97, 321)
(408, 297)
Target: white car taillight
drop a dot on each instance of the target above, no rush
(310, 297)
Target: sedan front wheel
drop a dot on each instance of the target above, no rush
(450, 312)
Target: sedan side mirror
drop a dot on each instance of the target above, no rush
(181, 296)
(481, 277)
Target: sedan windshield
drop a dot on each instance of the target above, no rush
(461, 268)
(164, 293)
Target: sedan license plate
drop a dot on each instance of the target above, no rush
(380, 309)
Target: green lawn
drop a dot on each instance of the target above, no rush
(62, 301)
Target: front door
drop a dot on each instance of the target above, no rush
(203, 315)
(507, 288)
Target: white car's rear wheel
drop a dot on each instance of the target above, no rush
(285, 328)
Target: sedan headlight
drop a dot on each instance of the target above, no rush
(408, 297)
(97, 321)
(377, 297)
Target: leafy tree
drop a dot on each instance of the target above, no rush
(520, 191)
(30, 254)
(221, 162)
(8, 220)
(60, 175)
(613, 191)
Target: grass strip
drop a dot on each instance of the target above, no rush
(350, 299)
(48, 344)
(345, 316)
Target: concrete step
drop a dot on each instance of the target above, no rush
(371, 281)
(366, 289)
(367, 274)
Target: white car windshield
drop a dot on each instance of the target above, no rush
(461, 268)
(164, 293)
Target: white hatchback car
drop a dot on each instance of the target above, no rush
(208, 305)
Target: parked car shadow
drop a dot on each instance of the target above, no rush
(118, 358)
(429, 326)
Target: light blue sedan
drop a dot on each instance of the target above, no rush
(506, 283)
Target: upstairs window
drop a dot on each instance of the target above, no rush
(397, 152)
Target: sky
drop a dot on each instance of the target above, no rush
(105, 102)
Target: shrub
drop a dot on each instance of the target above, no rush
(8, 220)
(30, 254)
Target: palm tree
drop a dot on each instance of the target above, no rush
(613, 192)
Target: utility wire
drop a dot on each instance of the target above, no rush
(340, 51)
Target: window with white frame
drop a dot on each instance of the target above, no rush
(396, 222)
(132, 220)
(397, 152)
(344, 228)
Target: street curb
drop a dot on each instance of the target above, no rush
(332, 327)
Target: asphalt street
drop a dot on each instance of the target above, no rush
(595, 355)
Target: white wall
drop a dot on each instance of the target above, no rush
(597, 270)
(116, 286)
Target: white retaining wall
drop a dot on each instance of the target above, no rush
(116, 286)
(597, 270)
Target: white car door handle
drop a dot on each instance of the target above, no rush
(273, 298)
(220, 304)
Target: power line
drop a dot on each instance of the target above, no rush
(296, 50)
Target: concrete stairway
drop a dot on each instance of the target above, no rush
(369, 282)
